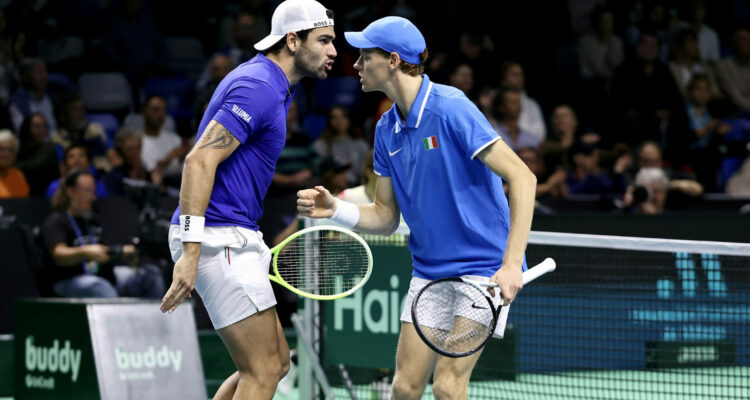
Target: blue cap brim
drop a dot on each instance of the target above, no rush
(358, 40)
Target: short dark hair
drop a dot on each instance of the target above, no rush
(60, 200)
(301, 34)
(154, 96)
(695, 79)
(406, 67)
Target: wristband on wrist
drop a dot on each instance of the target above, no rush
(191, 228)
(346, 214)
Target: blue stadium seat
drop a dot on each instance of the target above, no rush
(105, 91)
(177, 90)
(343, 90)
(314, 125)
(109, 122)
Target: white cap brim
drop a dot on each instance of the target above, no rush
(268, 41)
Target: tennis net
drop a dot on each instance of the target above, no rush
(620, 318)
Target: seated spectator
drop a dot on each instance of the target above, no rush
(584, 175)
(132, 179)
(294, 171)
(695, 136)
(649, 195)
(681, 182)
(563, 133)
(645, 93)
(12, 181)
(531, 118)
(33, 96)
(219, 67)
(686, 63)
(162, 149)
(507, 109)
(76, 157)
(708, 40)
(342, 142)
(548, 185)
(462, 77)
(37, 157)
(734, 71)
(79, 265)
(74, 129)
(600, 51)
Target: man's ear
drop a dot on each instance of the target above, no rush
(292, 42)
(394, 60)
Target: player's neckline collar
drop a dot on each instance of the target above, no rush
(417, 108)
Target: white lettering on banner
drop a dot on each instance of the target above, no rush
(390, 310)
(242, 113)
(150, 358)
(40, 382)
(52, 359)
(697, 354)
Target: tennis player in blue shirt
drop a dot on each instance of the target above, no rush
(441, 164)
(214, 239)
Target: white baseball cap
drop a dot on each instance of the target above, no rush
(294, 16)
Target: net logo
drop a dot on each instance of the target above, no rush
(55, 359)
(379, 311)
(134, 360)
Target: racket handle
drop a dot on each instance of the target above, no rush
(548, 265)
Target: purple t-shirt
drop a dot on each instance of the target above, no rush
(252, 102)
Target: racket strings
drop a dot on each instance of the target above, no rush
(323, 262)
(454, 316)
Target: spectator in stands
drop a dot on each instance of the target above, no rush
(162, 149)
(333, 175)
(79, 264)
(548, 185)
(485, 100)
(131, 179)
(219, 67)
(684, 182)
(507, 109)
(37, 157)
(462, 77)
(563, 133)
(32, 96)
(294, 171)
(739, 183)
(478, 50)
(74, 129)
(695, 136)
(76, 157)
(12, 181)
(585, 176)
(686, 62)
(601, 50)
(342, 142)
(531, 119)
(134, 43)
(644, 92)
(734, 71)
(649, 194)
(708, 41)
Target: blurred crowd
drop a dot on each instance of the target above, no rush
(649, 110)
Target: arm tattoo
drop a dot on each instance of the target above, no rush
(217, 138)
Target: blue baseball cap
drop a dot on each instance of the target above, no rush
(391, 34)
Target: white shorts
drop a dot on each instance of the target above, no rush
(232, 275)
(418, 283)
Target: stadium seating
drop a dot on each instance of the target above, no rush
(343, 90)
(105, 91)
(186, 55)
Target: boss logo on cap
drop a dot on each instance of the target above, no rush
(322, 23)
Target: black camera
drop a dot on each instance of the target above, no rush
(640, 194)
(115, 253)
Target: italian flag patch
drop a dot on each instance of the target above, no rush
(430, 143)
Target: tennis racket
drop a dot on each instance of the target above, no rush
(322, 262)
(456, 316)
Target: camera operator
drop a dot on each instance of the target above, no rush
(653, 192)
(78, 264)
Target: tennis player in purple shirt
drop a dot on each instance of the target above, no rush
(214, 239)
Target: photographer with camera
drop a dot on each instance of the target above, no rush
(77, 263)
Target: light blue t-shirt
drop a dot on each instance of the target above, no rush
(453, 203)
(252, 102)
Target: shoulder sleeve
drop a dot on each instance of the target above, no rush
(468, 126)
(380, 157)
(245, 108)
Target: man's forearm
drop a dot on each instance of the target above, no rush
(521, 192)
(195, 192)
(377, 219)
(65, 256)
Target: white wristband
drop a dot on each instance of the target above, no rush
(191, 228)
(346, 214)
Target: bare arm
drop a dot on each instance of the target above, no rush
(214, 146)
(522, 187)
(66, 256)
(380, 217)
